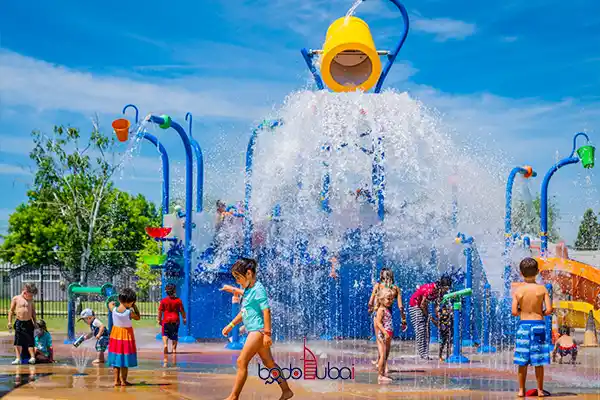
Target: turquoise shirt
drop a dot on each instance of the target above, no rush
(254, 302)
(43, 343)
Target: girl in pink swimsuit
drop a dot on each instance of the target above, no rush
(385, 332)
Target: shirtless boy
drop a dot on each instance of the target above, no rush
(22, 307)
(531, 302)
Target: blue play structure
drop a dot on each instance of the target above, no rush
(322, 306)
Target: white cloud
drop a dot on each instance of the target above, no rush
(443, 28)
(44, 86)
(9, 169)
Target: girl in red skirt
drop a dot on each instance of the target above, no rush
(122, 352)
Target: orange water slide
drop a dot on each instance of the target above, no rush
(578, 280)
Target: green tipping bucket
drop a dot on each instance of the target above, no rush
(155, 259)
(586, 155)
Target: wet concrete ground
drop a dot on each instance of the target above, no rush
(206, 371)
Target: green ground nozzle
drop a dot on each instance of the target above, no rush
(167, 123)
(586, 155)
(459, 294)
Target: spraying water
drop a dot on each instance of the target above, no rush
(361, 178)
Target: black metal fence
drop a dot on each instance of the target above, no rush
(51, 300)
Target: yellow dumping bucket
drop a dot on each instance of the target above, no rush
(350, 60)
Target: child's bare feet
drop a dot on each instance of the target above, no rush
(125, 383)
(117, 383)
(442, 359)
(521, 393)
(166, 350)
(288, 394)
(541, 393)
(97, 361)
(383, 379)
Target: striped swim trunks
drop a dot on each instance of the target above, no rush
(531, 347)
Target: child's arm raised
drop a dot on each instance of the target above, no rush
(547, 303)
(232, 290)
(111, 306)
(515, 305)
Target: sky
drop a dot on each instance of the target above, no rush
(520, 78)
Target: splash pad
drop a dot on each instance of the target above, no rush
(340, 184)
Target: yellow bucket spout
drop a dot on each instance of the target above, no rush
(350, 60)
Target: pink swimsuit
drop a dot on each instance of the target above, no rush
(387, 323)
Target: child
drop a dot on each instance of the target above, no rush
(565, 345)
(444, 324)
(528, 302)
(122, 353)
(23, 308)
(419, 311)
(98, 330)
(43, 344)
(256, 316)
(385, 331)
(168, 317)
(386, 281)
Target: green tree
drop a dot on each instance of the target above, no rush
(526, 218)
(77, 219)
(147, 277)
(588, 237)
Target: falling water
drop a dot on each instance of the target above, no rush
(81, 357)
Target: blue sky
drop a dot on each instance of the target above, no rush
(519, 77)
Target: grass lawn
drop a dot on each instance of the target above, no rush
(59, 324)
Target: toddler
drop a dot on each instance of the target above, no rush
(97, 330)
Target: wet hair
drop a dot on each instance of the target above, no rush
(244, 265)
(30, 288)
(42, 325)
(171, 289)
(220, 204)
(386, 276)
(127, 295)
(383, 294)
(564, 330)
(529, 267)
(444, 281)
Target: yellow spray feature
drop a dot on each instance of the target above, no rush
(349, 60)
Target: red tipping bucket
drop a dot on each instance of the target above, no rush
(157, 232)
(121, 127)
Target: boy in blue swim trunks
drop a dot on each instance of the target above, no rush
(531, 302)
(256, 316)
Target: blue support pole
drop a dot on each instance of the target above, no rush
(164, 157)
(548, 318)
(457, 357)
(199, 164)
(248, 183)
(165, 170)
(166, 122)
(308, 58)
(571, 159)
(378, 181)
(70, 321)
(486, 348)
(235, 343)
(468, 320)
(392, 56)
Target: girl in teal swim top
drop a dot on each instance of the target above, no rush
(256, 316)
